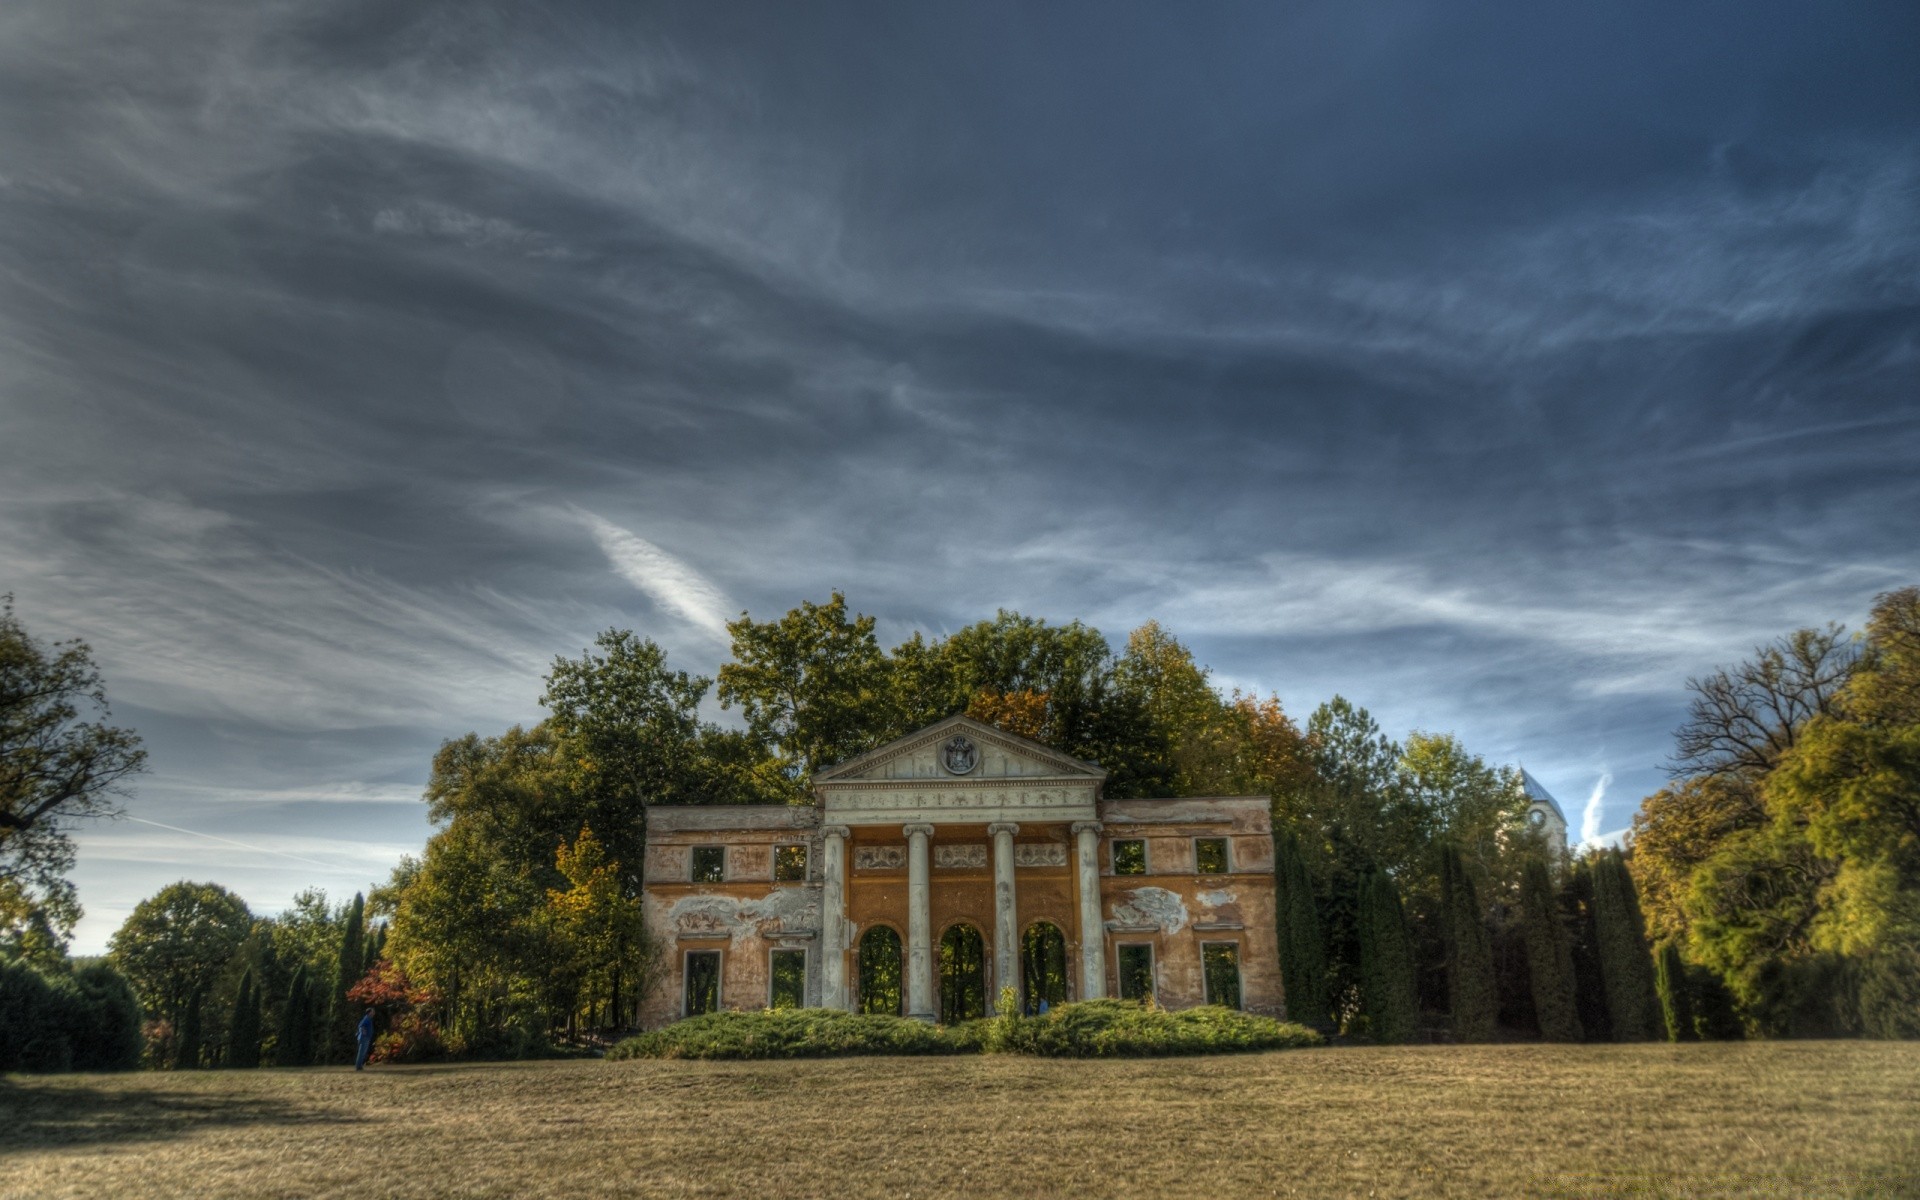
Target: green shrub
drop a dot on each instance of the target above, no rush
(797, 1033)
(1128, 1029)
(86, 1020)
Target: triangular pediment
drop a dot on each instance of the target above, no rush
(935, 752)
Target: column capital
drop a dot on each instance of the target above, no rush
(922, 830)
(1000, 827)
(836, 831)
(1080, 827)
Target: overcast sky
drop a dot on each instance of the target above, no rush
(1497, 366)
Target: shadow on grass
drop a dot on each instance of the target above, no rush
(53, 1117)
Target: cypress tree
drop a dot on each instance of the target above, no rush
(1470, 990)
(186, 1049)
(1676, 995)
(1590, 989)
(337, 1044)
(243, 1032)
(1303, 954)
(1386, 961)
(294, 1047)
(1626, 965)
(1549, 956)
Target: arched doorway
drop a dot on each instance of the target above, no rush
(1043, 967)
(963, 975)
(880, 971)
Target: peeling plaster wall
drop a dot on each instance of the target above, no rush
(1173, 908)
(1177, 911)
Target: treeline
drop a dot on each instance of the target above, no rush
(221, 987)
(523, 913)
(1783, 862)
(502, 930)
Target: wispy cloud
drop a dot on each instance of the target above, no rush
(666, 580)
(1591, 817)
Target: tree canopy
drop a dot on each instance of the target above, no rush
(59, 760)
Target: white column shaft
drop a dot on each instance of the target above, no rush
(1093, 928)
(1006, 918)
(919, 925)
(833, 917)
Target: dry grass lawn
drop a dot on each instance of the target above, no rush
(1779, 1119)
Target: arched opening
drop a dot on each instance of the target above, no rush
(963, 975)
(1043, 967)
(880, 971)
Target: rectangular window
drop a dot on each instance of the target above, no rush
(709, 864)
(1220, 962)
(703, 982)
(789, 980)
(790, 864)
(1136, 972)
(1210, 856)
(1130, 857)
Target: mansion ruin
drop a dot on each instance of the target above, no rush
(936, 870)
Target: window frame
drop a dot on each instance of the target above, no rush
(693, 864)
(1113, 856)
(1226, 856)
(719, 978)
(806, 861)
(1239, 977)
(1120, 971)
(772, 951)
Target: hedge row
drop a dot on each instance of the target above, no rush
(1089, 1029)
(84, 1021)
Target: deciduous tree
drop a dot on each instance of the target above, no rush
(176, 942)
(59, 760)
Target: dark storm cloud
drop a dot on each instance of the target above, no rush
(1495, 366)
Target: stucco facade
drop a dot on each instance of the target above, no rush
(933, 871)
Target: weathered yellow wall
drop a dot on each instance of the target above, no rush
(748, 914)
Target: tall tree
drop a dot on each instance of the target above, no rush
(293, 1045)
(813, 683)
(188, 1038)
(1386, 958)
(1549, 956)
(59, 760)
(1626, 964)
(1676, 998)
(341, 1017)
(1470, 987)
(1851, 785)
(1742, 720)
(1303, 968)
(630, 735)
(243, 1031)
(601, 941)
(175, 943)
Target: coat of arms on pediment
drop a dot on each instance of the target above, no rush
(959, 755)
(959, 747)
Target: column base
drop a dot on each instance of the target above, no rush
(927, 1017)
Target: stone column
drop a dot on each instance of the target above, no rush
(1006, 917)
(1093, 925)
(833, 916)
(919, 926)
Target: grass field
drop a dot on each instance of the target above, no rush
(1773, 1119)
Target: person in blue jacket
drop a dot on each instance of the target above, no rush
(365, 1036)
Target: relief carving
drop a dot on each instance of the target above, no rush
(1040, 854)
(960, 856)
(879, 858)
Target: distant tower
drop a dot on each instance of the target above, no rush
(1543, 813)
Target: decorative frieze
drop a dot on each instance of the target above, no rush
(964, 857)
(1040, 854)
(879, 858)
